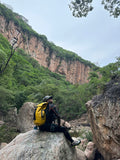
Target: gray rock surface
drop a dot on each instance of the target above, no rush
(25, 117)
(104, 115)
(36, 145)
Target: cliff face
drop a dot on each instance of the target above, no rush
(104, 115)
(74, 71)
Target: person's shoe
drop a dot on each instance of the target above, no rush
(76, 142)
(35, 127)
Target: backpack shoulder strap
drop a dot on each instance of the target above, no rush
(42, 105)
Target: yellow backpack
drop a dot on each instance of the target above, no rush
(39, 114)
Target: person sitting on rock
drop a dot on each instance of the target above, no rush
(51, 116)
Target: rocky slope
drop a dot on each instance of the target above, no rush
(104, 115)
(74, 71)
(35, 145)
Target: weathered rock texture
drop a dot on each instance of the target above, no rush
(74, 71)
(104, 115)
(25, 117)
(90, 151)
(2, 145)
(36, 145)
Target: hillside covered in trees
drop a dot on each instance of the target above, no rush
(25, 80)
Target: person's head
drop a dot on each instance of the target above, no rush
(48, 99)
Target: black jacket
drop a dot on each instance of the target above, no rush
(51, 114)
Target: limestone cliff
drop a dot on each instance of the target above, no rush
(74, 71)
(104, 115)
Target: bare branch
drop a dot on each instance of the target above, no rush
(13, 49)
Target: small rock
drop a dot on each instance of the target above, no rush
(90, 151)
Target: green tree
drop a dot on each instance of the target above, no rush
(6, 99)
(3, 58)
(81, 8)
(110, 70)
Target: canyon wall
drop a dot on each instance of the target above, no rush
(104, 117)
(74, 71)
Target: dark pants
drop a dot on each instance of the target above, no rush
(56, 128)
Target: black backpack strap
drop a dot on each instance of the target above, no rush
(34, 118)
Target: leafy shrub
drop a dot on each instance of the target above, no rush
(7, 133)
(6, 99)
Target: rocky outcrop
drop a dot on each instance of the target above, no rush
(104, 115)
(90, 151)
(74, 71)
(25, 117)
(36, 145)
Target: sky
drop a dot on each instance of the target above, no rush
(95, 38)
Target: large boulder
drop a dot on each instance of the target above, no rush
(25, 117)
(36, 145)
(104, 115)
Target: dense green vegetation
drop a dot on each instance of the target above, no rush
(24, 80)
(26, 29)
(7, 133)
